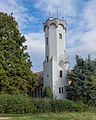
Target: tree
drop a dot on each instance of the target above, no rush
(15, 64)
(83, 81)
(48, 92)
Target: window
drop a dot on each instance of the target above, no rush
(59, 89)
(47, 59)
(47, 41)
(60, 73)
(47, 75)
(60, 36)
(62, 90)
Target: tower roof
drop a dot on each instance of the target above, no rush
(55, 21)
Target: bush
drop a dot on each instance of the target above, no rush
(16, 104)
(67, 105)
(60, 105)
(48, 92)
(80, 106)
(23, 104)
(42, 106)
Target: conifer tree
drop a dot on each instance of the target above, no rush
(48, 92)
(83, 81)
(15, 64)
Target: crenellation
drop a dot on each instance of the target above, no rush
(56, 22)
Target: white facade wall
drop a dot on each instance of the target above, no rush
(53, 50)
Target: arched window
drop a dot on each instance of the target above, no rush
(60, 73)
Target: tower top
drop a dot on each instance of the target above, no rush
(56, 22)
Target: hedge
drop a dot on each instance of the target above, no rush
(16, 104)
(20, 104)
(42, 106)
(67, 105)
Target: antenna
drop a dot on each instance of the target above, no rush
(62, 17)
(49, 14)
(57, 12)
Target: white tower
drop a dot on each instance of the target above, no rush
(55, 66)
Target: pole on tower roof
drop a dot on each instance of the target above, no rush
(49, 14)
(57, 12)
(63, 18)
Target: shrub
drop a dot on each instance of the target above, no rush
(67, 105)
(60, 105)
(16, 104)
(23, 104)
(48, 92)
(42, 106)
(80, 106)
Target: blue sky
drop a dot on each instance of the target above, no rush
(80, 16)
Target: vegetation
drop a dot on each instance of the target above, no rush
(42, 106)
(48, 92)
(20, 104)
(55, 116)
(16, 104)
(83, 81)
(15, 64)
(67, 105)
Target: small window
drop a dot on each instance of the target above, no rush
(60, 90)
(47, 59)
(60, 73)
(47, 75)
(60, 36)
(47, 41)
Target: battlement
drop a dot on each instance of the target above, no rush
(56, 22)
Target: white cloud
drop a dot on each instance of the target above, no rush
(89, 14)
(9, 6)
(65, 7)
(35, 42)
(86, 30)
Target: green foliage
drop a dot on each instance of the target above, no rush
(80, 106)
(83, 81)
(15, 64)
(59, 106)
(20, 104)
(48, 92)
(16, 104)
(67, 105)
(42, 106)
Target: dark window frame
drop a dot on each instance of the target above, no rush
(60, 36)
(60, 73)
(59, 90)
(47, 59)
(62, 90)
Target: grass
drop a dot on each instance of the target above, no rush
(54, 116)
